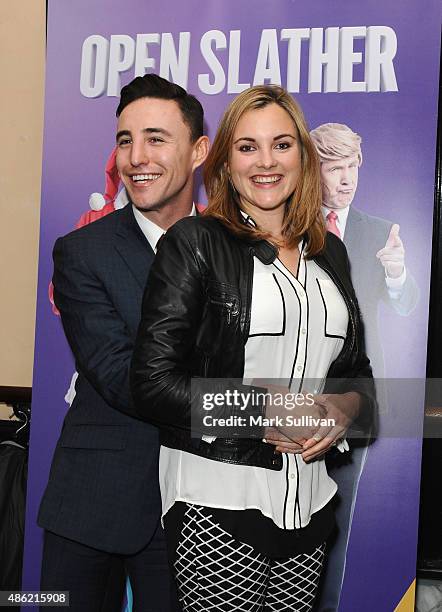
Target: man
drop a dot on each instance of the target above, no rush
(379, 274)
(102, 501)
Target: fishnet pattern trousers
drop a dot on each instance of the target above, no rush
(215, 572)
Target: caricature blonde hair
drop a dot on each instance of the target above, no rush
(336, 140)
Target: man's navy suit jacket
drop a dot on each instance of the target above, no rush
(103, 488)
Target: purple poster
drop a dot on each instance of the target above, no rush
(371, 66)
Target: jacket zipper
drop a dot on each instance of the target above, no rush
(229, 306)
(249, 293)
(205, 366)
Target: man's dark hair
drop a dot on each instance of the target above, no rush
(154, 86)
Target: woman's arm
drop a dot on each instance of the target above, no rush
(171, 310)
(166, 366)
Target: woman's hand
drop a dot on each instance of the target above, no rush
(285, 411)
(342, 408)
(282, 443)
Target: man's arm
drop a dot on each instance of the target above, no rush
(401, 291)
(96, 332)
(404, 298)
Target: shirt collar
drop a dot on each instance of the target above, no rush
(151, 230)
(247, 218)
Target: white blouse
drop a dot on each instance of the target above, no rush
(297, 329)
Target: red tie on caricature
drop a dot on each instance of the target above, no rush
(331, 224)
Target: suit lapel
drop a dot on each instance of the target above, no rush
(133, 246)
(352, 236)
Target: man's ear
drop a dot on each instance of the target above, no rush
(200, 151)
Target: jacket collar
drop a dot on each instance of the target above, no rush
(265, 251)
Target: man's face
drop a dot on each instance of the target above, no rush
(339, 182)
(155, 155)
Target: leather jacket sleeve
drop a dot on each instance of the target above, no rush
(357, 374)
(166, 361)
(367, 420)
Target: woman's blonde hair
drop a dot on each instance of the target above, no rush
(303, 215)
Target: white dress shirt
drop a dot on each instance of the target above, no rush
(151, 230)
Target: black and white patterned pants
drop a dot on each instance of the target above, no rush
(215, 572)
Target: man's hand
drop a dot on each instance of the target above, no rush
(392, 256)
(343, 408)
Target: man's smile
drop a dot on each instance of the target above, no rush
(144, 178)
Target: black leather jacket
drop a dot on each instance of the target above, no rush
(195, 323)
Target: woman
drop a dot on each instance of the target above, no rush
(251, 290)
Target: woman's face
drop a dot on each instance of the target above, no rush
(265, 158)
